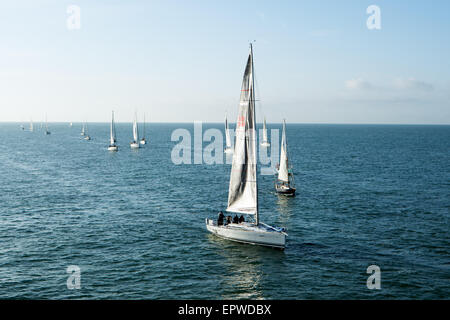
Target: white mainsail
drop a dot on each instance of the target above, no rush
(83, 130)
(31, 124)
(227, 134)
(112, 137)
(283, 174)
(243, 189)
(264, 131)
(135, 129)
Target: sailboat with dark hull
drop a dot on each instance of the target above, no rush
(243, 188)
(285, 182)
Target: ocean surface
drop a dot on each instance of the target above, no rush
(133, 221)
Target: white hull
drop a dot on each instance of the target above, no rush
(143, 142)
(228, 150)
(87, 138)
(265, 144)
(134, 145)
(262, 235)
(113, 148)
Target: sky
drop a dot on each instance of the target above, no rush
(183, 61)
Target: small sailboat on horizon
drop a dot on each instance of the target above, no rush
(265, 142)
(31, 125)
(135, 143)
(243, 187)
(112, 137)
(47, 132)
(85, 131)
(228, 148)
(285, 182)
(143, 141)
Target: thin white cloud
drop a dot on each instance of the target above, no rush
(357, 84)
(412, 83)
(397, 85)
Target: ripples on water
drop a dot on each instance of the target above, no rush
(134, 222)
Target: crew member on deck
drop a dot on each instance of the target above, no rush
(220, 219)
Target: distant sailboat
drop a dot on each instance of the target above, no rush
(22, 127)
(243, 188)
(70, 124)
(47, 132)
(265, 142)
(135, 143)
(143, 141)
(31, 125)
(228, 148)
(112, 138)
(85, 131)
(285, 181)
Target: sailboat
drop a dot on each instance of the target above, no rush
(46, 126)
(31, 125)
(135, 143)
(85, 131)
(228, 148)
(243, 188)
(70, 124)
(112, 138)
(285, 182)
(265, 142)
(143, 141)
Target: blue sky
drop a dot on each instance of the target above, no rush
(180, 61)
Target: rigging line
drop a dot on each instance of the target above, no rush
(258, 93)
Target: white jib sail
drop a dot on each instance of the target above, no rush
(243, 190)
(227, 134)
(283, 171)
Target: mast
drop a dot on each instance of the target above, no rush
(283, 171)
(113, 131)
(254, 128)
(264, 131)
(143, 134)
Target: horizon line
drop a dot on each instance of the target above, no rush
(214, 122)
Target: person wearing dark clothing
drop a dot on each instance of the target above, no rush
(235, 219)
(228, 219)
(241, 219)
(220, 219)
